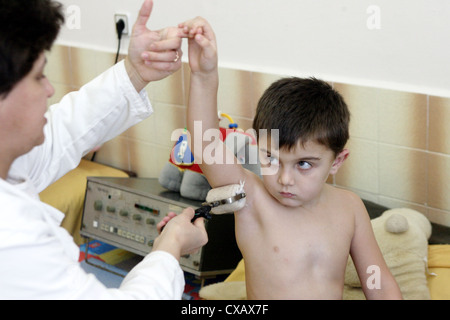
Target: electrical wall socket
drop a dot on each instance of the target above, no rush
(124, 17)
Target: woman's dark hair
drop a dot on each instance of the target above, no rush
(29, 27)
(303, 110)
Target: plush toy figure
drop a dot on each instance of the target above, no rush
(402, 235)
(182, 174)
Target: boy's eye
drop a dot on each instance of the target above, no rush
(304, 165)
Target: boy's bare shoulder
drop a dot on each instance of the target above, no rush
(347, 199)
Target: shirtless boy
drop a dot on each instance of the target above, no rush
(296, 231)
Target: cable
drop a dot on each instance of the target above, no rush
(120, 26)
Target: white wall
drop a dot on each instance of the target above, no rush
(330, 39)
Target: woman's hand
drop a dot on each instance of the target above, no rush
(180, 236)
(152, 55)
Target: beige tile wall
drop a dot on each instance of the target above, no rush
(399, 146)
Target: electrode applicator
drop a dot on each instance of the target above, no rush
(222, 200)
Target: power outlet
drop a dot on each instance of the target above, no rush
(124, 17)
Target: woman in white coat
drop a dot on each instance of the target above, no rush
(38, 259)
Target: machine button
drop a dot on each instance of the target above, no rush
(123, 213)
(137, 217)
(111, 209)
(151, 222)
(98, 205)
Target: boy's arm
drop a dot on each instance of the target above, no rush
(216, 161)
(376, 279)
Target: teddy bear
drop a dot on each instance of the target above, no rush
(402, 235)
(182, 174)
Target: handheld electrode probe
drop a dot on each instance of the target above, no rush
(222, 200)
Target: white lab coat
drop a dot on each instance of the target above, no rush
(38, 258)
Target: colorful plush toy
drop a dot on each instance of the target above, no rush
(402, 235)
(182, 174)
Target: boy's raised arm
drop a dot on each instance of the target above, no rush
(216, 161)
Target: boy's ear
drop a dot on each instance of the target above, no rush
(340, 158)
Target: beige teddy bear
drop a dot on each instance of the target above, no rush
(402, 235)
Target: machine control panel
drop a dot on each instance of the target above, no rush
(124, 212)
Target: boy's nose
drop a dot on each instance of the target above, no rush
(285, 177)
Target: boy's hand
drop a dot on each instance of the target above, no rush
(164, 221)
(152, 55)
(202, 45)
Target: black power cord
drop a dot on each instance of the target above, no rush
(120, 26)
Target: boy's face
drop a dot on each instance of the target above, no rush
(298, 176)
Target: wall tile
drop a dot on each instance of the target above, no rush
(186, 81)
(87, 64)
(58, 69)
(439, 181)
(403, 173)
(402, 118)
(366, 195)
(104, 61)
(261, 82)
(144, 131)
(83, 66)
(115, 153)
(363, 105)
(439, 216)
(168, 118)
(385, 115)
(235, 93)
(439, 127)
(169, 90)
(147, 160)
(360, 170)
(158, 128)
(396, 203)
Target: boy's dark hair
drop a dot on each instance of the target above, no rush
(303, 110)
(29, 28)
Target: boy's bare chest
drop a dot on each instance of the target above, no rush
(297, 260)
(300, 240)
(311, 241)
